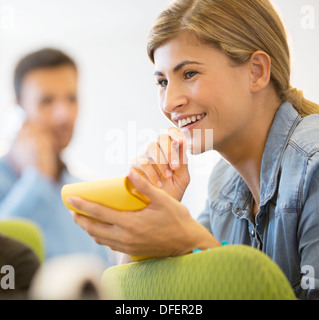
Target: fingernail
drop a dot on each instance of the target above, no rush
(159, 184)
(72, 213)
(70, 201)
(168, 173)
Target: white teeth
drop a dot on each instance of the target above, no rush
(189, 120)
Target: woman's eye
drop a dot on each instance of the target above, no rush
(190, 74)
(162, 83)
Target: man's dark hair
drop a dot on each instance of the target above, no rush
(44, 58)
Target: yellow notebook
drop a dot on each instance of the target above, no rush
(117, 193)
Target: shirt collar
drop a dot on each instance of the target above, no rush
(284, 124)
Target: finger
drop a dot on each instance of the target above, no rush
(108, 235)
(148, 170)
(103, 234)
(176, 135)
(37, 132)
(183, 153)
(159, 159)
(138, 164)
(169, 150)
(141, 185)
(33, 128)
(179, 141)
(95, 228)
(99, 212)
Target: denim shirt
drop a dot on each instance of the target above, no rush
(286, 226)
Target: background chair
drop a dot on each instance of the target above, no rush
(235, 272)
(26, 232)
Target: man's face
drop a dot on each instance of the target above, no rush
(49, 98)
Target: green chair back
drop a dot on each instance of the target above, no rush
(26, 232)
(234, 272)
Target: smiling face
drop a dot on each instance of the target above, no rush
(201, 90)
(49, 98)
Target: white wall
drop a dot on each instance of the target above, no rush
(117, 90)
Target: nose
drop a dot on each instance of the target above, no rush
(173, 98)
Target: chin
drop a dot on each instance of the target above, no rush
(196, 151)
(64, 140)
(63, 145)
(195, 147)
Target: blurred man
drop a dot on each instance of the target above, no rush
(32, 173)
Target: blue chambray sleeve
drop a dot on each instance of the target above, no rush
(26, 195)
(308, 236)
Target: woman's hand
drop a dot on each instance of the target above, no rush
(164, 163)
(164, 228)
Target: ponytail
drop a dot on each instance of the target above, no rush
(302, 105)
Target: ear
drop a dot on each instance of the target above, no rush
(260, 69)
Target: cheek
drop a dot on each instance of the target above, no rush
(39, 116)
(205, 93)
(223, 100)
(160, 99)
(75, 114)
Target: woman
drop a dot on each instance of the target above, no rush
(225, 66)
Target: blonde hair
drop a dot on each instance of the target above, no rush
(238, 28)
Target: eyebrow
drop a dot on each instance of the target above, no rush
(178, 67)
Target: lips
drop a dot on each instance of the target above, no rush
(185, 121)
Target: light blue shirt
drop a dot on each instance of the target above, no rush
(37, 198)
(286, 227)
